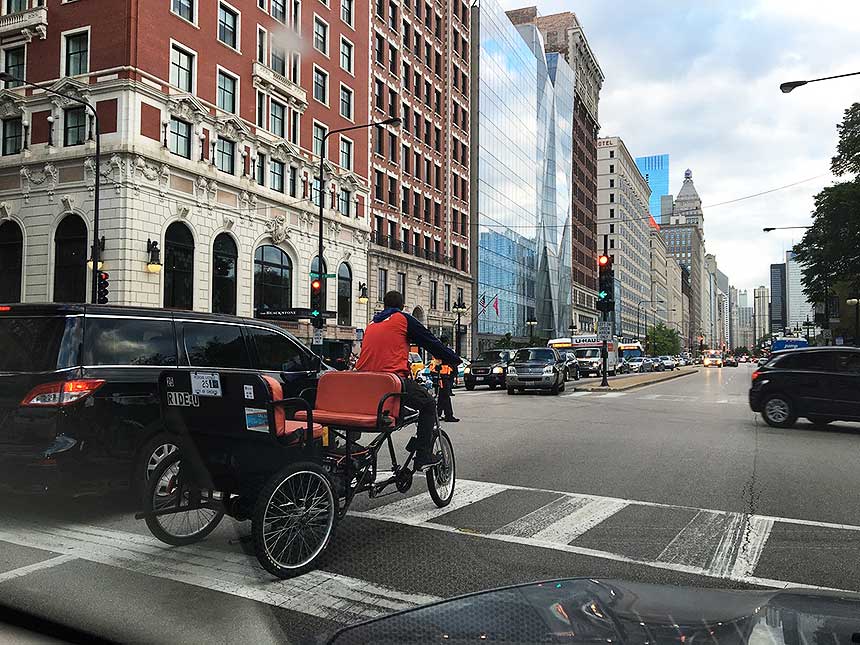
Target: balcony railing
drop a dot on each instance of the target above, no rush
(28, 23)
(263, 74)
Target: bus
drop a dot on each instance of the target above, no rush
(786, 342)
(630, 349)
(587, 351)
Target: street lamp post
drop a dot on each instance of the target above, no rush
(856, 303)
(322, 276)
(96, 252)
(532, 323)
(638, 307)
(788, 86)
(768, 229)
(459, 308)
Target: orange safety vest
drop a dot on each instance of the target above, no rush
(445, 370)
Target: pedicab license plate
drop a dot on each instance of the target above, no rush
(206, 383)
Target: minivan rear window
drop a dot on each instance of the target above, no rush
(38, 344)
(129, 341)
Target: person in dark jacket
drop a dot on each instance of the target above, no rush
(385, 348)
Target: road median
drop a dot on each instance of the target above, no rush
(632, 381)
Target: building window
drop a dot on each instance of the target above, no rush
(273, 280)
(225, 256)
(392, 58)
(346, 102)
(225, 155)
(612, 170)
(77, 53)
(294, 127)
(434, 294)
(612, 183)
(74, 126)
(262, 37)
(379, 48)
(392, 191)
(378, 94)
(294, 181)
(276, 176)
(178, 267)
(319, 137)
(392, 147)
(346, 11)
(346, 55)
(179, 142)
(611, 212)
(611, 198)
(320, 85)
(279, 10)
(447, 297)
(12, 137)
(381, 283)
(278, 123)
(344, 295)
(345, 153)
(320, 35)
(183, 8)
(226, 92)
(228, 23)
(611, 154)
(260, 170)
(11, 261)
(181, 69)
(13, 64)
(70, 253)
(344, 202)
(315, 191)
(279, 60)
(261, 109)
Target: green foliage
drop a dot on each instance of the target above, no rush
(741, 351)
(662, 340)
(847, 159)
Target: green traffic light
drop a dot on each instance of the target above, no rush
(315, 313)
(602, 295)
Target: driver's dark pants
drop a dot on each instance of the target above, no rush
(418, 398)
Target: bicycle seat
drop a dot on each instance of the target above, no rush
(351, 400)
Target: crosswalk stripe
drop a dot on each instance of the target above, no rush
(420, 508)
(36, 566)
(570, 527)
(548, 514)
(703, 543)
(325, 595)
(757, 531)
(612, 395)
(578, 393)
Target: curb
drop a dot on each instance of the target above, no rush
(632, 386)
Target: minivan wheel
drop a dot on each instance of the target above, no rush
(151, 454)
(778, 412)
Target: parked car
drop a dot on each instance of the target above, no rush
(656, 364)
(742, 359)
(730, 361)
(488, 368)
(623, 366)
(762, 360)
(821, 384)
(639, 364)
(416, 363)
(540, 368)
(668, 362)
(571, 364)
(78, 386)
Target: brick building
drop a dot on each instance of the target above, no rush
(420, 173)
(212, 115)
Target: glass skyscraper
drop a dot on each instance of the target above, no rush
(525, 143)
(655, 169)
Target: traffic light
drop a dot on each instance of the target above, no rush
(605, 284)
(316, 303)
(102, 290)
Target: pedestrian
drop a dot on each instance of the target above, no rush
(444, 408)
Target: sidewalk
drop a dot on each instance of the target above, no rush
(637, 380)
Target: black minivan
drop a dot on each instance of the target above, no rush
(78, 386)
(821, 384)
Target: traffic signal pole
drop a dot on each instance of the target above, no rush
(605, 266)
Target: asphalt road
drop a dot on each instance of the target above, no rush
(677, 483)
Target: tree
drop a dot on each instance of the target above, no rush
(663, 340)
(828, 253)
(741, 351)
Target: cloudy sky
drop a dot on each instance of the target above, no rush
(700, 81)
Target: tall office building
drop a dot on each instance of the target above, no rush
(622, 215)
(797, 307)
(683, 229)
(564, 34)
(778, 312)
(521, 190)
(420, 59)
(655, 169)
(761, 313)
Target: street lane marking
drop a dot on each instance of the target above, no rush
(568, 528)
(36, 566)
(708, 541)
(575, 393)
(420, 508)
(756, 533)
(612, 395)
(535, 522)
(325, 595)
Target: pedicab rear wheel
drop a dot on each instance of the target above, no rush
(166, 490)
(294, 519)
(442, 477)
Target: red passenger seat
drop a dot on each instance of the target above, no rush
(351, 399)
(283, 426)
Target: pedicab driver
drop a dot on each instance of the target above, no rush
(385, 348)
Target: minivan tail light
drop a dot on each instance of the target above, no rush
(755, 375)
(60, 393)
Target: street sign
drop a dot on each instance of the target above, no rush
(604, 331)
(359, 334)
(318, 337)
(293, 314)
(840, 340)
(826, 334)
(314, 274)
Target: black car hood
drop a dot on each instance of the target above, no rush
(533, 364)
(609, 611)
(485, 363)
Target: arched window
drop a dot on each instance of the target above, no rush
(273, 280)
(315, 268)
(344, 295)
(225, 255)
(11, 259)
(70, 260)
(178, 267)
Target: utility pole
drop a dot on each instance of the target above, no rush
(605, 301)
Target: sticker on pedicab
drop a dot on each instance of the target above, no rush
(249, 392)
(182, 400)
(256, 419)
(206, 383)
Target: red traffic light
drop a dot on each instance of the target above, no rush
(103, 275)
(603, 260)
(316, 285)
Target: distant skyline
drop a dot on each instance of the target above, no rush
(700, 81)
